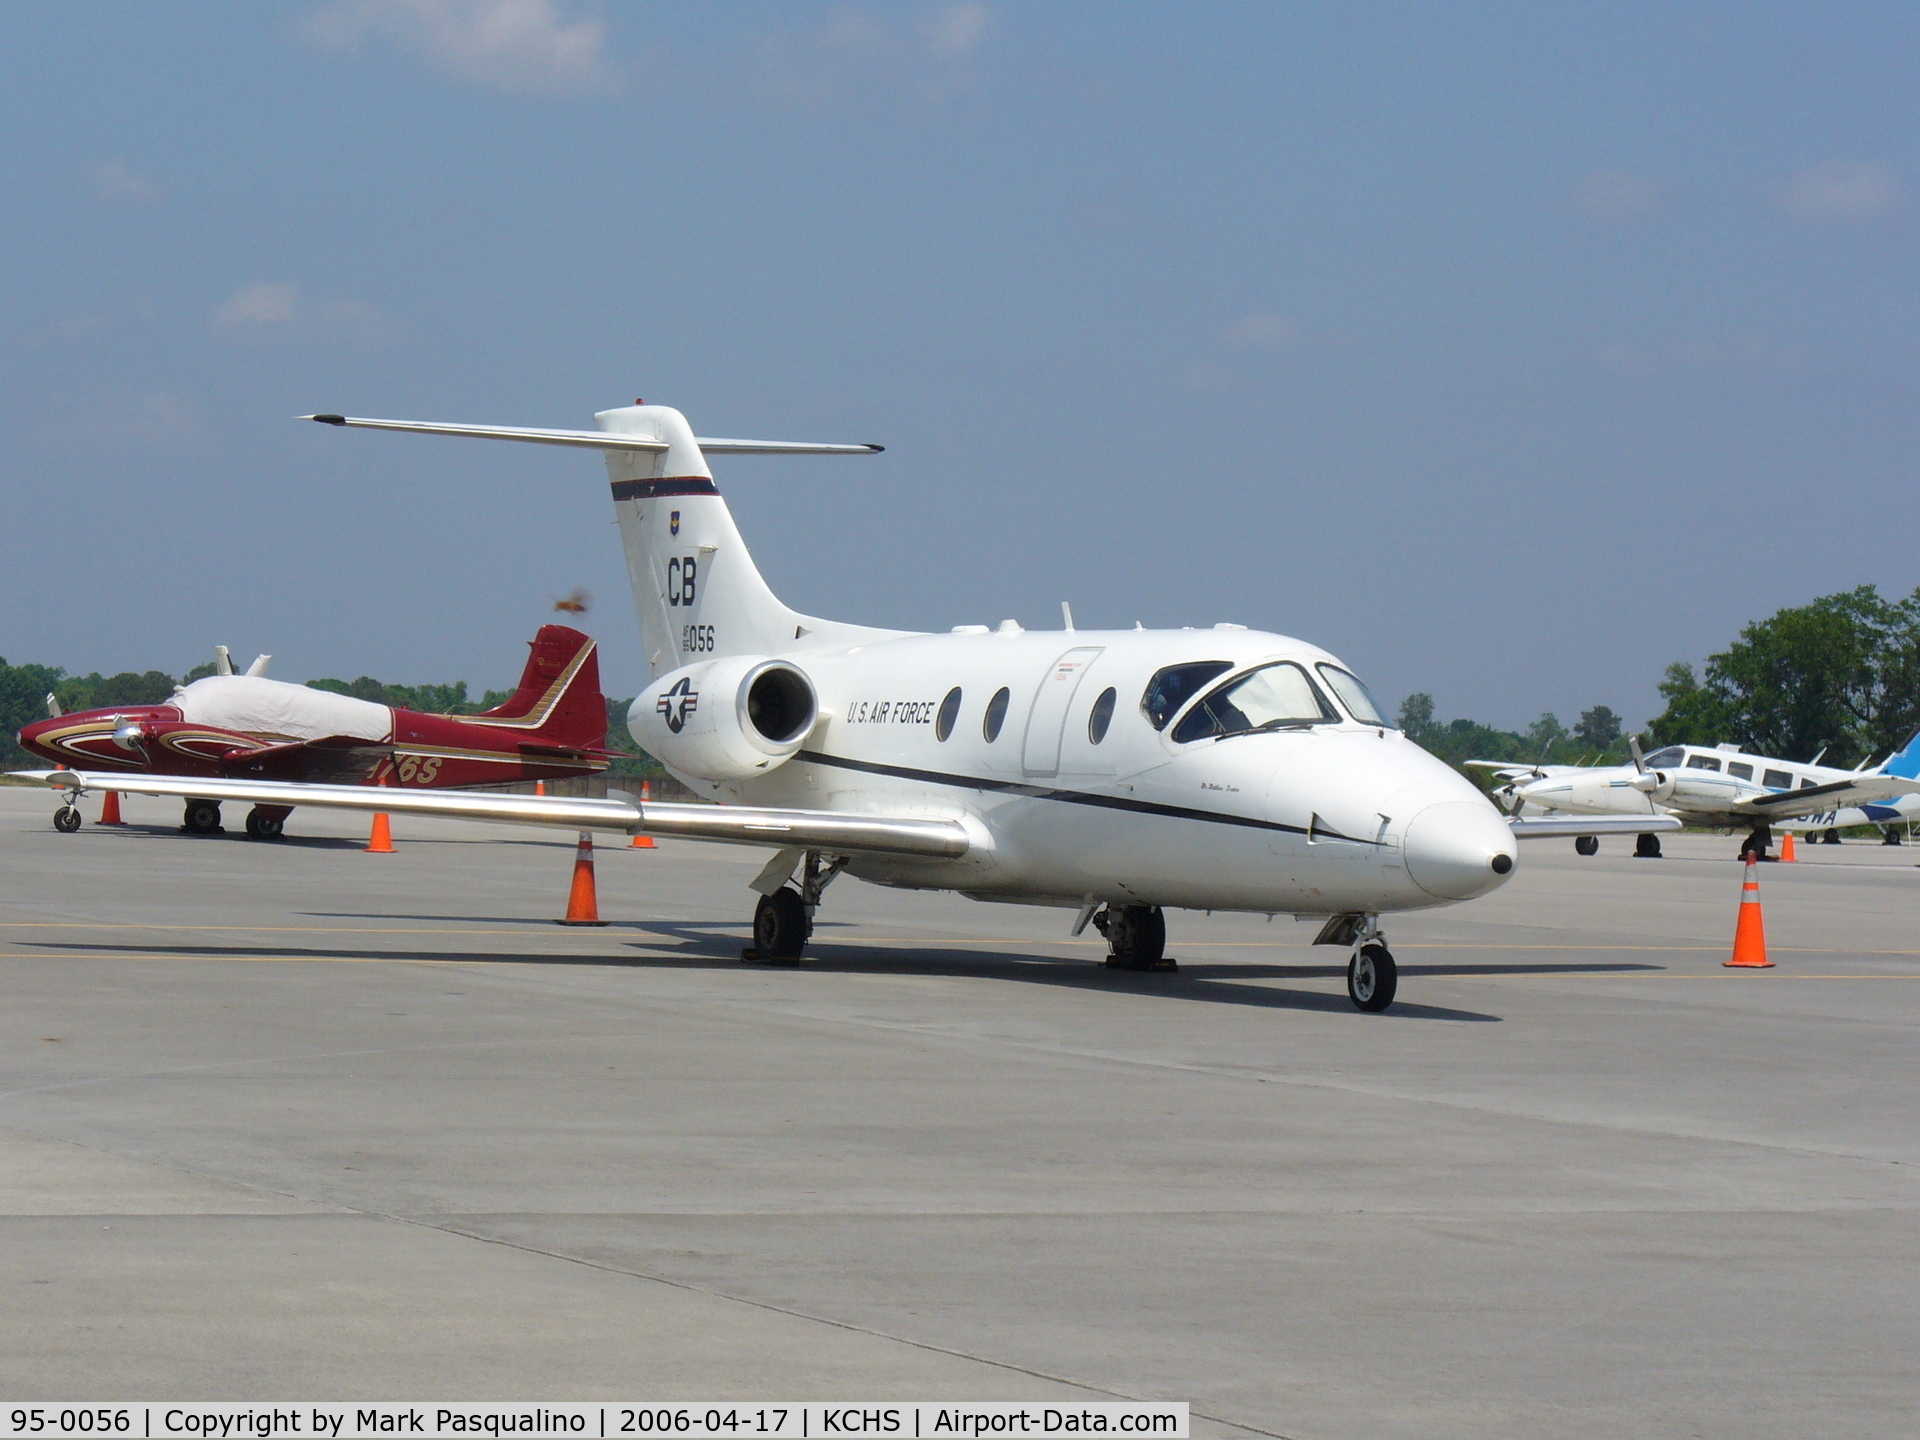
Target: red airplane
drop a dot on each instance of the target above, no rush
(236, 727)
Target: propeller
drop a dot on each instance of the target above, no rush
(1651, 783)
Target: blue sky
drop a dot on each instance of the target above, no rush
(1509, 351)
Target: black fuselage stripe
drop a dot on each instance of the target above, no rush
(654, 489)
(1071, 797)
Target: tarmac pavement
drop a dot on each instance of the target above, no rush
(290, 1121)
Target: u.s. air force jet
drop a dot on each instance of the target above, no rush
(1114, 773)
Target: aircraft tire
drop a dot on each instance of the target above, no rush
(264, 827)
(1372, 978)
(1137, 939)
(780, 928)
(202, 817)
(66, 819)
(1587, 845)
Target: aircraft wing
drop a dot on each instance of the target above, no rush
(733, 824)
(1575, 825)
(1818, 799)
(1506, 769)
(594, 439)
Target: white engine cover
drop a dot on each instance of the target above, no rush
(726, 719)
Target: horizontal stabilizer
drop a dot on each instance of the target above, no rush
(594, 439)
(1562, 827)
(730, 824)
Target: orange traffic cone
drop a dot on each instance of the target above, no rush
(1787, 857)
(583, 906)
(1749, 932)
(110, 809)
(644, 842)
(539, 787)
(380, 842)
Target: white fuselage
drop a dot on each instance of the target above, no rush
(1342, 816)
(1700, 784)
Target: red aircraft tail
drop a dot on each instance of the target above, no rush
(559, 702)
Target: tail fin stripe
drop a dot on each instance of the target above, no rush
(652, 489)
(537, 717)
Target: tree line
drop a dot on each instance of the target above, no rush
(1839, 675)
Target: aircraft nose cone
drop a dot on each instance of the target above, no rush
(1459, 849)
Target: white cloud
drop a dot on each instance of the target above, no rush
(1261, 331)
(525, 45)
(114, 182)
(266, 308)
(263, 302)
(1615, 197)
(1854, 191)
(932, 53)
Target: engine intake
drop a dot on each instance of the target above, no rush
(727, 719)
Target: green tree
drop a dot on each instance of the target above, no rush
(1545, 732)
(1598, 728)
(1416, 714)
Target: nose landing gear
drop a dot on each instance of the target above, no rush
(1372, 976)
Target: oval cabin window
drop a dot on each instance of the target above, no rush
(1101, 716)
(996, 715)
(949, 712)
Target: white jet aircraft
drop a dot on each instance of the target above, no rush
(1722, 786)
(1109, 772)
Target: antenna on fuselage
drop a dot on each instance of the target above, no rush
(1066, 614)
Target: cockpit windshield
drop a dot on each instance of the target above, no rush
(1667, 759)
(1354, 695)
(1174, 686)
(1273, 697)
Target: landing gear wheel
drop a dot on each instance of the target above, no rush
(1647, 847)
(780, 928)
(66, 819)
(1137, 939)
(1587, 845)
(1830, 837)
(202, 818)
(1372, 978)
(1890, 837)
(1759, 840)
(264, 824)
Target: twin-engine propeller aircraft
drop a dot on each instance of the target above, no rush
(1112, 773)
(1723, 787)
(247, 727)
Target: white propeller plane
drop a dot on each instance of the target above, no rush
(1722, 786)
(1111, 773)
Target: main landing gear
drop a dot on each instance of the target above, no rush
(1647, 847)
(1587, 845)
(783, 920)
(1759, 840)
(67, 818)
(202, 818)
(1136, 937)
(267, 822)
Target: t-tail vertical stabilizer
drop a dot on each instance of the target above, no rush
(696, 588)
(1905, 763)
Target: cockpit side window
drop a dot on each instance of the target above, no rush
(1668, 758)
(1354, 695)
(1702, 762)
(1777, 780)
(1273, 697)
(1174, 686)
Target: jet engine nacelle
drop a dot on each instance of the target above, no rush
(728, 719)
